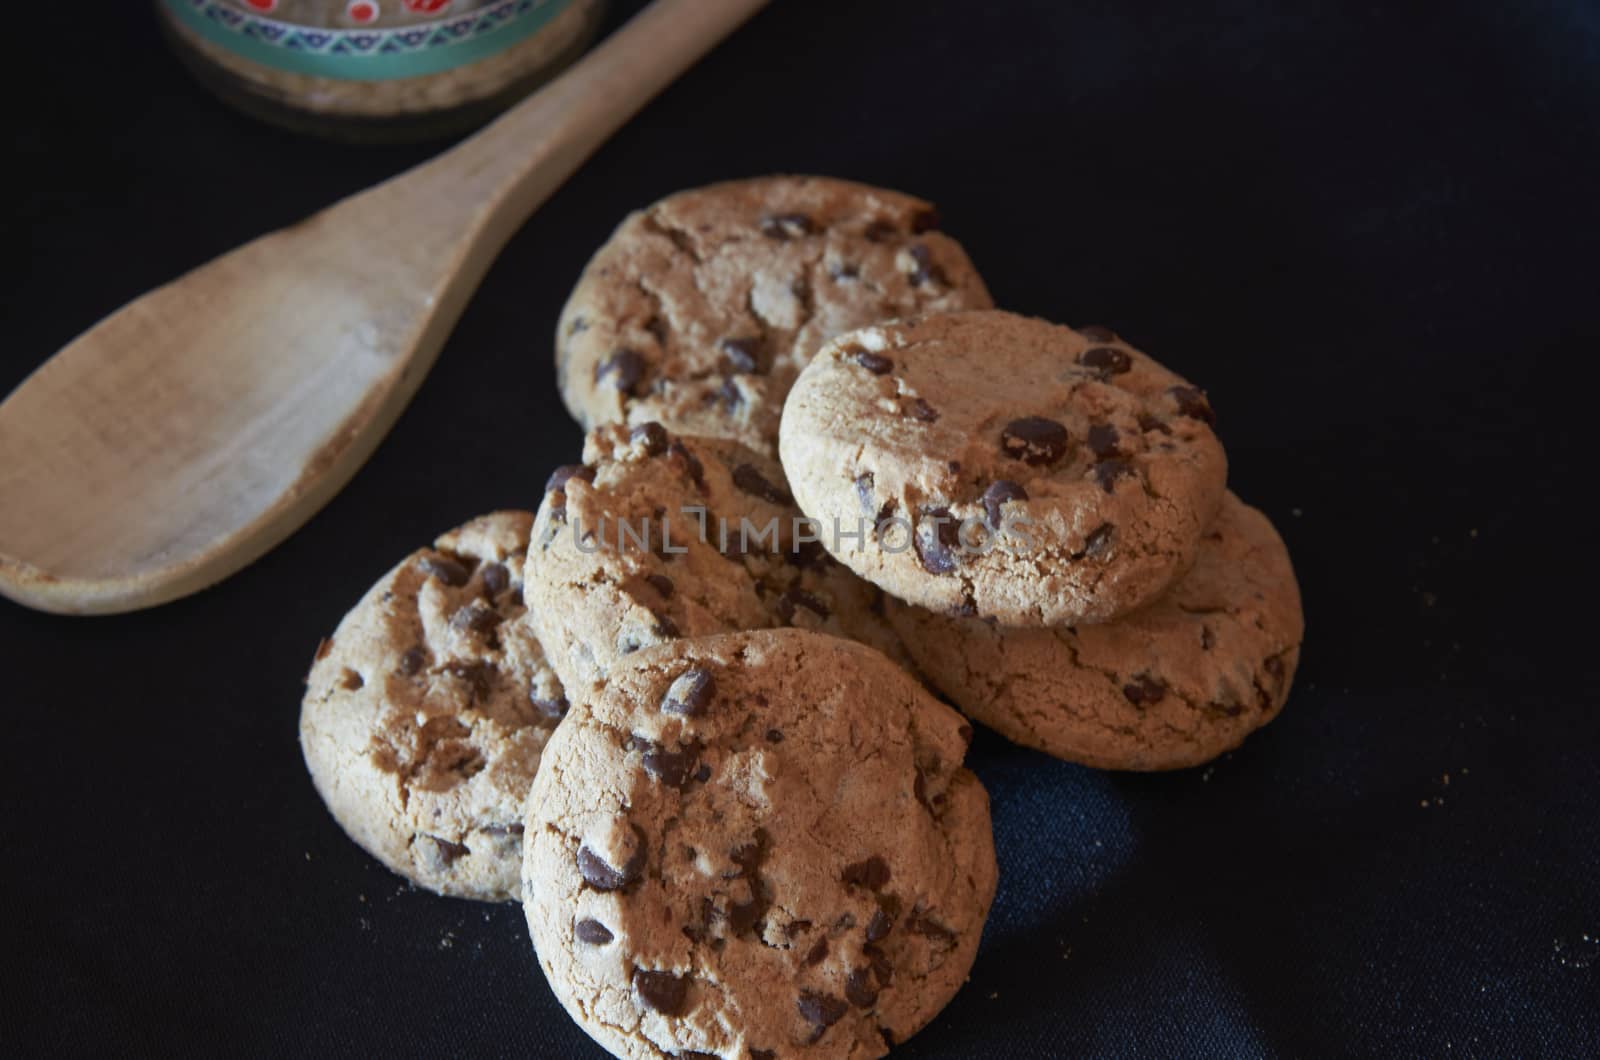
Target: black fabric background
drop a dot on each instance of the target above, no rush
(1369, 229)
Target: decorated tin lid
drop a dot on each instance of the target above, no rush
(377, 60)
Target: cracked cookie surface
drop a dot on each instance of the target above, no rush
(641, 544)
(994, 465)
(757, 845)
(1172, 685)
(426, 712)
(701, 309)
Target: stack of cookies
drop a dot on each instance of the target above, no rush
(687, 712)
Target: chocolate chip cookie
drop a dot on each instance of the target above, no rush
(1172, 685)
(658, 536)
(994, 465)
(757, 845)
(700, 310)
(426, 711)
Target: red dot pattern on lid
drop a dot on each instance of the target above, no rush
(362, 10)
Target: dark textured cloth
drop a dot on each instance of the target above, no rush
(1370, 230)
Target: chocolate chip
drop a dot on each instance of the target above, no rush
(443, 851)
(999, 492)
(924, 267)
(652, 437)
(504, 830)
(1103, 440)
(1273, 666)
(1144, 691)
(1034, 440)
(753, 482)
(1106, 360)
(1193, 404)
(671, 768)
(664, 626)
(702, 774)
(477, 675)
(787, 225)
(796, 598)
(880, 231)
(1208, 639)
(662, 991)
(324, 646)
(476, 617)
(879, 926)
(602, 877)
(411, 662)
(728, 395)
(1107, 472)
(864, 484)
(742, 916)
(872, 873)
(847, 271)
(554, 709)
(690, 694)
(821, 1010)
(1097, 333)
(1150, 423)
(920, 923)
(919, 409)
(763, 1054)
(881, 967)
(818, 951)
(496, 578)
(749, 856)
(740, 355)
(807, 555)
(875, 363)
(661, 584)
(593, 932)
(859, 990)
(774, 736)
(622, 370)
(924, 220)
(351, 681)
(1099, 539)
(445, 569)
(691, 463)
(937, 538)
(567, 472)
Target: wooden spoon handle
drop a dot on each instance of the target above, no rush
(499, 176)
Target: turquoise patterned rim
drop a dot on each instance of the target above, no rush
(367, 54)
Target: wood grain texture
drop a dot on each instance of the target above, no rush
(192, 430)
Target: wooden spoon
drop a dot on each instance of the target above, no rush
(192, 430)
